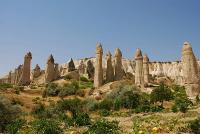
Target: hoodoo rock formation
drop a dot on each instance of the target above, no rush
(109, 68)
(139, 75)
(98, 76)
(36, 71)
(146, 69)
(71, 66)
(190, 70)
(90, 69)
(26, 72)
(50, 70)
(118, 67)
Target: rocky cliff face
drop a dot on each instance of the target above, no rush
(173, 70)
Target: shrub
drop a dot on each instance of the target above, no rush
(44, 126)
(84, 79)
(90, 105)
(80, 93)
(195, 126)
(68, 77)
(4, 86)
(104, 112)
(106, 104)
(72, 105)
(15, 126)
(182, 102)
(82, 119)
(117, 104)
(51, 89)
(161, 94)
(102, 126)
(39, 110)
(69, 89)
(8, 113)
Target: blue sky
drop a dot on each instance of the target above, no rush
(71, 28)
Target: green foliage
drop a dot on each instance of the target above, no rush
(90, 105)
(82, 119)
(84, 79)
(68, 77)
(195, 126)
(124, 96)
(15, 126)
(104, 112)
(182, 103)
(72, 105)
(80, 93)
(4, 86)
(161, 94)
(51, 89)
(106, 104)
(44, 126)
(69, 89)
(8, 112)
(102, 126)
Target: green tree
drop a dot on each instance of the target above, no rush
(161, 94)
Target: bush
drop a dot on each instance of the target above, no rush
(69, 89)
(8, 113)
(84, 79)
(5, 86)
(80, 93)
(182, 102)
(15, 126)
(44, 126)
(195, 126)
(106, 104)
(161, 94)
(82, 119)
(51, 89)
(90, 105)
(72, 105)
(117, 104)
(103, 127)
(104, 113)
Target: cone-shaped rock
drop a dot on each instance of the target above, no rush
(98, 76)
(25, 78)
(109, 69)
(36, 71)
(90, 69)
(190, 70)
(81, 67)
(71, 66)
(118, 67)
(139, 76)
(50, 72)
(146, 69)
(56, 71)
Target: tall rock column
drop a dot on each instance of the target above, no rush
(146, 69)
(25, 78)
(98, 76)
(56, 71)
(139, 76)
(50, 71)
(190, 70)
(109, 69)
(118, 67)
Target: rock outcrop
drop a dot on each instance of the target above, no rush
(36, 72)
(25, 78)
(190, 71)
(109, 68)
(146, 69)
(71, 66)
(118, 67)
(50, 70)
(139, 75)
(90, 69)
(56, 71)
(98, 76)
(81, 67)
